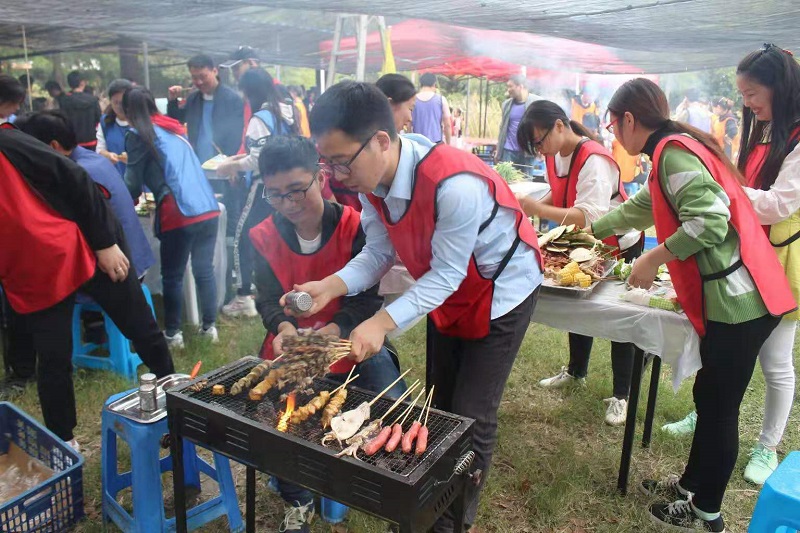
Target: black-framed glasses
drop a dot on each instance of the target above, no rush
(344, 168)
(538, 144)
(292, 196)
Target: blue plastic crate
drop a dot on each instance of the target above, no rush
(54, 505)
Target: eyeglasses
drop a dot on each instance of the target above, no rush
(344, 168)
(538, 144)
(612, 126)
(292, 196)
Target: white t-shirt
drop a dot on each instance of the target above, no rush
(597, 183)
(309, 247)
(782, 200)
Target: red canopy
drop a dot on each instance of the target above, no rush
(454, 50)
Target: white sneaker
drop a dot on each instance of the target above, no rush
(617, 411)
(562, 379)
(74, 445)
(175, 342)
(240, 306)
(210, 333)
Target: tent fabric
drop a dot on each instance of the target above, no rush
(653, 36)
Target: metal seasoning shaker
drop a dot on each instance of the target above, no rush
(299, 302)
(148, 393)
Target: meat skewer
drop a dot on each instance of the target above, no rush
(337, 401)
(316, 404)
(347, 424)
(256, 373)
(397, 426)
(361, 439)
(410, 436)
(374, 446)
(422, 436)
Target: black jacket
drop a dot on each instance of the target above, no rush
(354, 310)
(83, 111)
(227, 118)
(65, 186)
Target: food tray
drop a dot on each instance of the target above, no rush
(54, 505)
(550, 285)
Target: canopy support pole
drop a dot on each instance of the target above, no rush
(27, 68)
(466, 111)
(361, 65)
(486, 112)
(146, 64)
(480, 105)
(337, 37)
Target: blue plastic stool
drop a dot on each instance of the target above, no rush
(145, 478)
(778, 506)
(122, 359)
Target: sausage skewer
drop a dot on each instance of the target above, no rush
(397, 427)
(422, 436)
(374, 445)
(256, 373)
(410, 436)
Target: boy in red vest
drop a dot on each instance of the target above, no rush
(309, 238)
(460, 232)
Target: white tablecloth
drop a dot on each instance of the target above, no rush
(603, 315)
(190, 302)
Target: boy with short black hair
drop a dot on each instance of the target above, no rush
(462, 236)
(309, 238)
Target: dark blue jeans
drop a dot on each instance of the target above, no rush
(176, 245)
(376, 373)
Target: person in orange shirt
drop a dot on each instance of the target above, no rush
(297, 96)
(628, 166)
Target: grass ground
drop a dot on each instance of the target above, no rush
(556, 463)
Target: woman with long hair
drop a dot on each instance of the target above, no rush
(160, 156)
(113, 126)
(584, 185)
(728, 281)
(769, 80)
(272, 116)
(402, 96)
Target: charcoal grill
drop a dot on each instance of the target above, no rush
(410, 491)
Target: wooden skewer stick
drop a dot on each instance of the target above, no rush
(429, 407)
(393, 383)
(397, 402)
(408, 410)
(427, 400)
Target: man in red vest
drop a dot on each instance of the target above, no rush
(309, 238)
(460, 232)
(59, 236)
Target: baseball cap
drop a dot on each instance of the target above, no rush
(241, 54)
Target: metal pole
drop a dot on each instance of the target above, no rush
(486, 103)
(466, 110)
(278, 50)
(337, 37)
(146, 64)
(27, 68)
(480, 105)
(361, 66)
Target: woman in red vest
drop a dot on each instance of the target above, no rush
(584, 185)
(727, 278)
(309, 238)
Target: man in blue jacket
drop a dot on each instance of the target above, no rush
(214, 113)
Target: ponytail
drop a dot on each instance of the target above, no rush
(581, 130)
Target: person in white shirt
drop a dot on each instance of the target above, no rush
(584, 185)
(113, 126)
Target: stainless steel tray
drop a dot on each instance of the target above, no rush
(128, 405)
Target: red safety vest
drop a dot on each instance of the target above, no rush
(467, 312)
(757, 255)
(564, 189)
(343, 195)
(292, 268)
(44, 257)
(755, 160)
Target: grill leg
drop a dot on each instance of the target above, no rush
(655, 374)
(178, 479)
(250, 500)
(630, 422)
(460, 507)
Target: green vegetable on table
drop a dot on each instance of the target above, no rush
(509, 172)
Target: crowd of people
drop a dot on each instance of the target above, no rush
(380, 185)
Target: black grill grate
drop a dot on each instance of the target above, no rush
(270, 408)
